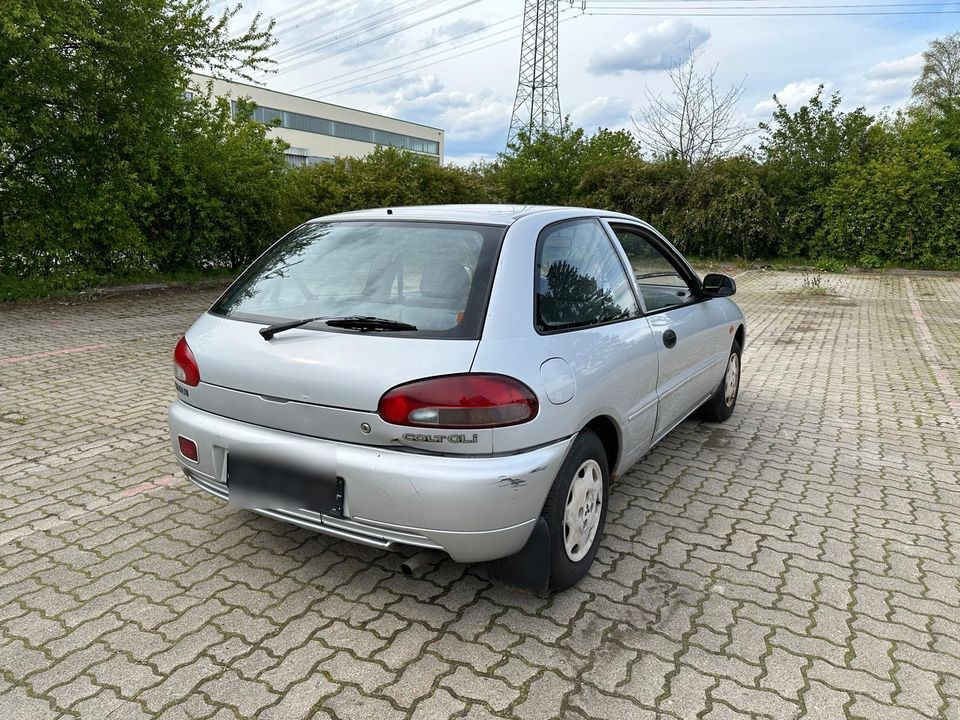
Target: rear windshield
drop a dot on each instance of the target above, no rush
(435, 276)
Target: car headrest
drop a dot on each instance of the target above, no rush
(447, 281)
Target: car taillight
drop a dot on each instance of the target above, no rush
(188, 448)
(460, 401)
(185, 367)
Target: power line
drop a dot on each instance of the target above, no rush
(382, 36)
(452, 57)
(392, 60)
(353, 28)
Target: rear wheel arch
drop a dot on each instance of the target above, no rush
(606, 429)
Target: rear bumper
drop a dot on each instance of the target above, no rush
(473, 508)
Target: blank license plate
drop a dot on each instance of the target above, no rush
(266, 484)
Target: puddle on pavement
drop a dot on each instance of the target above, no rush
(718, 438)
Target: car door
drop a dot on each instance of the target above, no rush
(690, 331)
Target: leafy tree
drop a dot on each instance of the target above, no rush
(546, 169)
(903, 204)
(542, 169)
(802, 152)
(720, 209)
(216, 200)
(90, 90)
(939, 83)
(386, 177)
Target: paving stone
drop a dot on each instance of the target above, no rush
(417, 680)
(247, 696)
(465, 683)
(439, 706)
(129, 677)
(343, 667)
(544, 697)
(299, 699)
(17, 704)
(594, 704)
(800, 557)
(107, 704)
(296, 665)
(349, 704)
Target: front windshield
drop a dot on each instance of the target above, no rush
(435, 276)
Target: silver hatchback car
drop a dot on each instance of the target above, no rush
(466, 379)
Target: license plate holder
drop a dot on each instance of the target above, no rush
(258, 483)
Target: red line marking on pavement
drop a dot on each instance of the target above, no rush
(147, 486)
(52, 353)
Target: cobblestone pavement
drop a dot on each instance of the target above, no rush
(799, 560)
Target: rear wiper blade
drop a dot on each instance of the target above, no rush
(271, 330)
(363, 323)
(367, 322)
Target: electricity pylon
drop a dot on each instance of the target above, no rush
(537, 107)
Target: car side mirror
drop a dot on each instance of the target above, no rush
(718, 285)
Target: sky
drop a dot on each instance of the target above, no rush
(453, 64)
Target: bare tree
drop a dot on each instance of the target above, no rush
(697, 121)
(939, 81)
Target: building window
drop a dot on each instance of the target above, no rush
(267, 116)
(348, 131)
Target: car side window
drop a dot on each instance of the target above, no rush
(580, 279)
(661, 285)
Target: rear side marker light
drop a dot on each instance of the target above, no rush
(460, 401)
(185, 368)
(188, 448)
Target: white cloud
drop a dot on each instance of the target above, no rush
(663, 46)
(467, 159)
(467, 118)
(461, 26)
(907, 67)
(410, 89)
(603, 111)
(793, 95)
(890, 82)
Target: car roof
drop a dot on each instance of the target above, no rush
(486, 214)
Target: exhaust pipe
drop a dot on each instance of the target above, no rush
(416, 564)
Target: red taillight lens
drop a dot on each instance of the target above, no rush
(185, 364)
(460, 401)
(188, 448)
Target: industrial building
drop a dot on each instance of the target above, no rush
(318, 131)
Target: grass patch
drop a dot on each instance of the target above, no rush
(60, 286)
(813, 285)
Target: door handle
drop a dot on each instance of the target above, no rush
(669, 338)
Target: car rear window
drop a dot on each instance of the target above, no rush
(435, 276)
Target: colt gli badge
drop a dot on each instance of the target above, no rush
(455, 438)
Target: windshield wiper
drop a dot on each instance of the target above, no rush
(363, 323)
(270, 330)
(367, 322)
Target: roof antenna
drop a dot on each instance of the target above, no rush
(389, 211)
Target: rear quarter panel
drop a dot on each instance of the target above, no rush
(603, 359)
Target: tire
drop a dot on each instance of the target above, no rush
(583, 480)
(720, 406)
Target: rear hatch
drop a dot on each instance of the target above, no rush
(327, 382)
